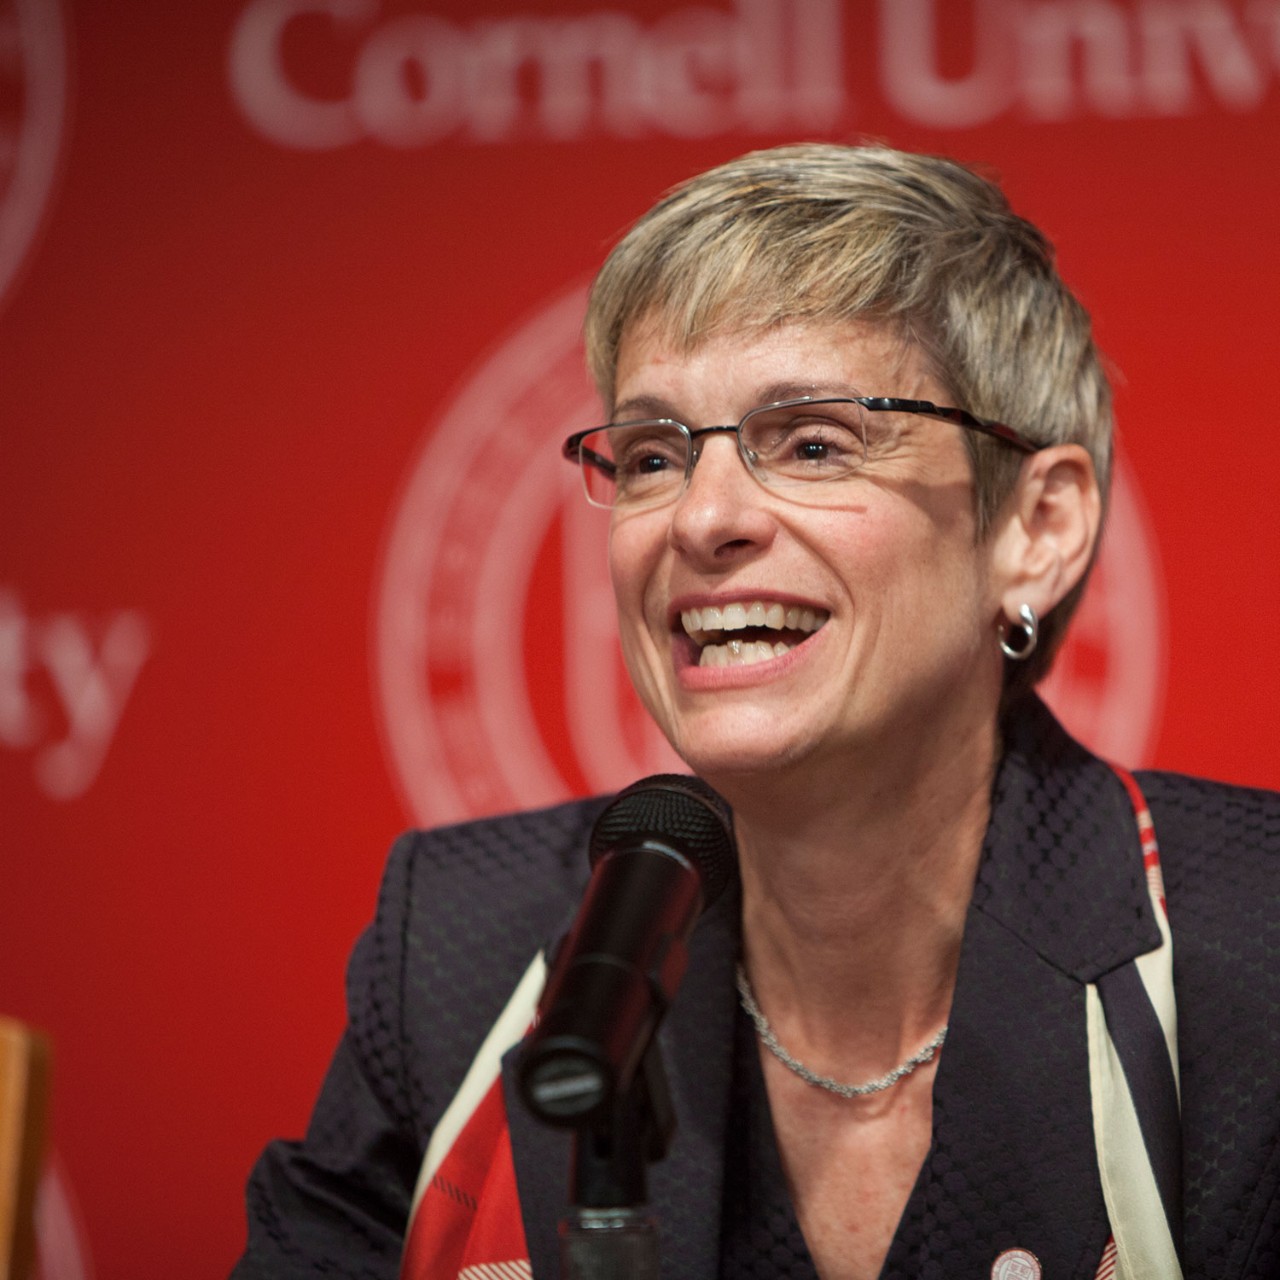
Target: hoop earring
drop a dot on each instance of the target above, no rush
(1030, 627)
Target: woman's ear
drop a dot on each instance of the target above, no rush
(1048, 529)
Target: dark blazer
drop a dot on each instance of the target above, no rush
(1060, 900)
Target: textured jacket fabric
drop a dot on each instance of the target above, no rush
(1060, 900)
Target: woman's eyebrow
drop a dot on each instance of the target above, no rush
(776, 391)
(646, 406)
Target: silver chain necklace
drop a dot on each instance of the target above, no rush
(809, 1076)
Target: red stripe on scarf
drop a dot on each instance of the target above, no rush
(1146, 833)
(469, 1215)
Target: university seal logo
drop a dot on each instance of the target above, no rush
(499, 676)
(33, 91)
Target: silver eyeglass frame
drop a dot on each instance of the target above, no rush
(575, 451)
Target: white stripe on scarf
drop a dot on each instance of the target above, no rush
(510, 1027)
(1144, 1248)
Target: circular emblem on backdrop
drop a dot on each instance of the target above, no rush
(500, 677)
(33, 90)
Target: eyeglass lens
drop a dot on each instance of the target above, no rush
(645, 463)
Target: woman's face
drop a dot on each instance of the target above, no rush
(878, 606)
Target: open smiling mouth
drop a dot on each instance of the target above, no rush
(738, 635)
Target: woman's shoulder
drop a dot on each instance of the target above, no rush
(1203, 825)
(1220, 856)
(1219, 851)
(1204, 795)
(458, 873)
(1220, 860)
(462, 911)
(489, 885)
(526, 850)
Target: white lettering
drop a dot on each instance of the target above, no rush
(93, 692)
(817, 74)
(1176, 35)
(603, 43)
(408, 82)
(762, 89)
(20, 723)
(746, 65)
(1056, 59)
(419, 78)
(261, 87)
(690, 70)
(909, 65)
(568, 67)
(90, 685)
(1049, 36)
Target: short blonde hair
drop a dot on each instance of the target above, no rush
(823, 232)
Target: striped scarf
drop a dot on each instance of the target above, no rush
(465, 1223)
(1133, 1083)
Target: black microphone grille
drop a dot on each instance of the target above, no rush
(681, 810)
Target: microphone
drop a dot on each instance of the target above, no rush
(660, 853)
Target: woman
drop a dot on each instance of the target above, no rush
(857, 463)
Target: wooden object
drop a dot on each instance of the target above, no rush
(24, 1098)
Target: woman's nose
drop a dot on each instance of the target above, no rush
(723, 513)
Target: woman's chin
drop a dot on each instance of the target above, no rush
(738, 754)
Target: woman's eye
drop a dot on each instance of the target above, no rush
(812, 449)
(646, 459)
(643, 461)
(820, 443)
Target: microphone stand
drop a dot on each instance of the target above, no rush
(608, 1233)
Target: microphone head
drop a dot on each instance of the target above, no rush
(680, 811)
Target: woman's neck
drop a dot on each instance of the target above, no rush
(855, 897)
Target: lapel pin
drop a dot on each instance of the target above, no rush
(1016, 1264)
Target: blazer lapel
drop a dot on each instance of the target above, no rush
(1012, 1160)
(684, 1189)
(1060, 900)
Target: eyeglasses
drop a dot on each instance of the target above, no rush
(803, 443)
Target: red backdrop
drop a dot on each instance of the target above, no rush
(283, 281)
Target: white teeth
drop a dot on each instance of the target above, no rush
(741, 653)
(753, 613)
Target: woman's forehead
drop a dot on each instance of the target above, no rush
(760, 363)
